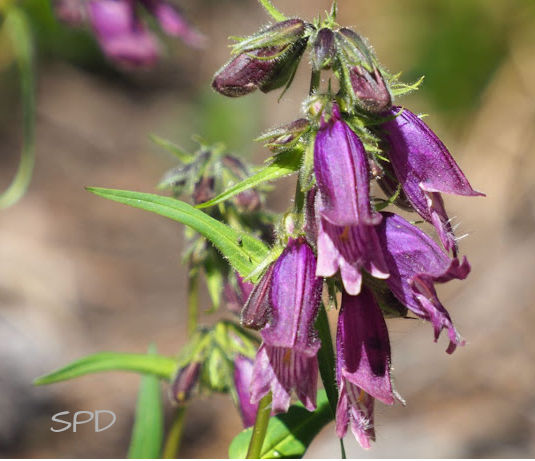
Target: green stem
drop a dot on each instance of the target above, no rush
(193, 301)
(260, 427)
(18, 30)
(174, 437)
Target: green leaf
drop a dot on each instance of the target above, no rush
(272, 11)
(242, 251)
(158, 365)
(18, 30)
(284, 164)
(147, 434)
(177, 151)
(289, 434)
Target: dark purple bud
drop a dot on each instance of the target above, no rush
(185, 381)
(370, 89)
(287, 358)
(120, 33)
(355, 408)
(243, 376)
(363, 347)
(323, 49)
(204, 190)
(343, 174)
(173, 23)
(257, 308)
(348, 249)
(279, 34)
(356, 51)
(415, 263)
(284, 136)
(424, 168)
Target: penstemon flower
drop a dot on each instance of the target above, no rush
(121, 33)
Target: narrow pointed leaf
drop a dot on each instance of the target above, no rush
(158, 365)
(272, 11)
(147, 434)
(284, 164)
(172, 148)
(242, 251)
(288, 434)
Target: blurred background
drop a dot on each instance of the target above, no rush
(79, 274)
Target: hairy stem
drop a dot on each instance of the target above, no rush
(260, 427)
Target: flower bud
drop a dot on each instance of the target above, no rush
(185, 381)
(323, 50)
(204, 190)
(266, 60)
(370, 89)
(286, 136)
(354, 48)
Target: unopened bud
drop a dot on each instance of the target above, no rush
(370, 89)
(323, 50)
(284, 136)
(185, 381)
(204, 190)
(354, 48)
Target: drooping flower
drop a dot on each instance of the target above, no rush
(424, 168)
(348, 249)
(342, 173)
(415, 263)
(243, 375)
(362, 365)
(287, 358)
(118, 27)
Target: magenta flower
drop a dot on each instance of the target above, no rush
(243, 375)
(120, 32)
(424, 167)
(415, 263)
(348, 249)
(342, 173)
(363, 365)
(287, 359)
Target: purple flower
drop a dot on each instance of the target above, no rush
(415, 263)
(348, 249)
(342, 173)
(185, 381)
(424, 167)
(257, 308)
(235, 297)
(362, 365)
(243, 375)
(287, 358)
(120, 31)
(355, 408)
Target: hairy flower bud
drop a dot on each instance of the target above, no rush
(267, 60)
(370, 89)
(184, 382)
(284, 137)
(323, 50)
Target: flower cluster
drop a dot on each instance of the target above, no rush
(118, 27)
(377, 260)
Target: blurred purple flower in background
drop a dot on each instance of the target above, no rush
(243, 376)
(118, 28)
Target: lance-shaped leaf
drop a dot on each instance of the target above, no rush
(242, 251)
(158, 365)
(147, 434)
(284, 164)
(288, 434)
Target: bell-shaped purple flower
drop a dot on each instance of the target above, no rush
(287, 359)
(342, 173)
(355, 409)
(121, 34)
(348, 249)
(415, 263)
(243, 376)
(363, 347)
(424, 168)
